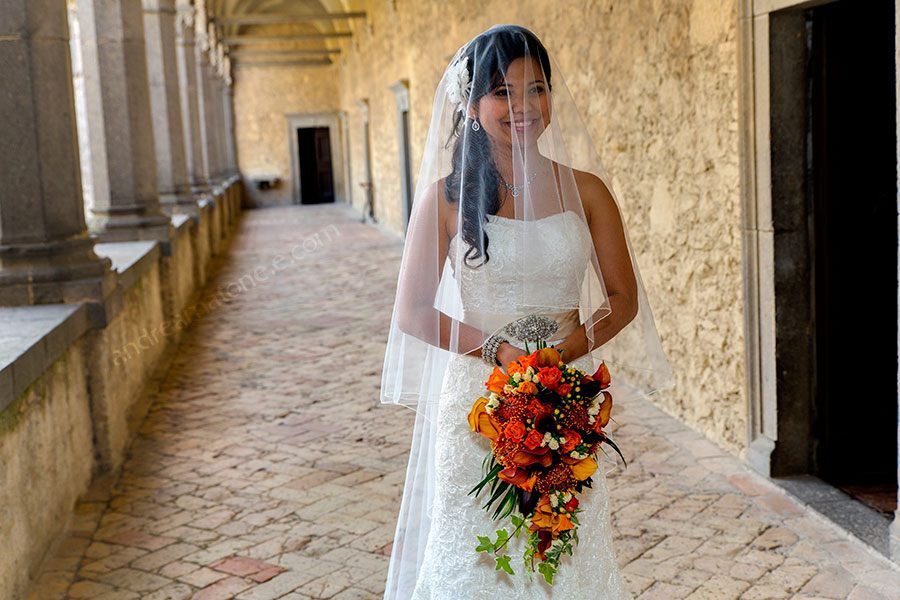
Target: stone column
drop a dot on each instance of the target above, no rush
(230, 147)
(204, 105)
(219, 115)
(120, 129)
(187, 83)
(46, 254)
(162, 68)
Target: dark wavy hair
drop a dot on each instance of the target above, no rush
(474, 183)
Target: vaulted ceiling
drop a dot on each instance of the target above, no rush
(288, 31)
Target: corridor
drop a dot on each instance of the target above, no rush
(266, 469)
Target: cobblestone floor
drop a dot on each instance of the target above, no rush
(266, 468)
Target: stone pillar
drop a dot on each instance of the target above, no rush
(46, 254)
(187, 83)
(204, 105)
(230, 147)
(162, 68)
(219, 115)
(120, 130)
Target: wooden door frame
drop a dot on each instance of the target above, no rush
(333, 121)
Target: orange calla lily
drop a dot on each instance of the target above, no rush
(544, 518)
(546, 357)
(518, 477)
(602, 375)
(584, 468)
(483, 423)
(526, 458)
(603, 416)
(496, 381)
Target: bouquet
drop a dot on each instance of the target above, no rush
(545, 421)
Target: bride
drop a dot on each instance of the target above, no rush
(513, 215)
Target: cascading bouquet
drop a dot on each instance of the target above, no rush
(545, 421)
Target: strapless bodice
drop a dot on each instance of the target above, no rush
(544, 278)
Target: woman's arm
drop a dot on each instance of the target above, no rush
(608, 235)
(427, 244)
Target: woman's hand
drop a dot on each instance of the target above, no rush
(507, 353)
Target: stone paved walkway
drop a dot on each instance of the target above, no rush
(266, 468)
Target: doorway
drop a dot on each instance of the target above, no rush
(853, 238)
(314, 159)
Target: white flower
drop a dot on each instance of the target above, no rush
(554, 501)
(553, 444)
(494, 396)
(458, 85)
(529, 371)
(566, 496)
(517, 376)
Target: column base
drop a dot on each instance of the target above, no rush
(179, 204)
(57, 272)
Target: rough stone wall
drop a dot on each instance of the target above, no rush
(46, 460)
(123, 355)
(657, 84)
(262, 98)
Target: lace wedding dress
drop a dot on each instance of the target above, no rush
(451, 568)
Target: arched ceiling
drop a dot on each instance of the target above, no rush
(286, 39)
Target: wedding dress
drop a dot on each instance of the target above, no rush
(451, 568)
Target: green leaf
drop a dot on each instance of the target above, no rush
(547, 570)
(491, 475)
(502, 538)
(485, 545)
(517, 520)
(503, 563)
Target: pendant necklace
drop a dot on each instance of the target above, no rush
(515, 189)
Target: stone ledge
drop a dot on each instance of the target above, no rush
(131, 259)
(31, 339)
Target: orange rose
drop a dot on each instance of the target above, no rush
(602, 417)
(518, 477)
(584, 468)
(549, 377)
(515, 430)
(514, 367)
(572, 440)
(533, 440)
(527, 360)
(496, 381)
(483, 423)
(526, 387)
(546, 357)
(563, 388)
(544, 518)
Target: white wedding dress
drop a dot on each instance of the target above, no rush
(451, 568)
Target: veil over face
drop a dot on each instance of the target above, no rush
(506, 147)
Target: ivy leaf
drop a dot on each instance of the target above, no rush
(502, 538)
(547, 571)
(503, 563)
(485, 545)
(516, 520)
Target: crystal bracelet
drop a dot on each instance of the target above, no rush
(489, 349)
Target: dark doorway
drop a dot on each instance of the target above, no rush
(316, 177)
(852, 204)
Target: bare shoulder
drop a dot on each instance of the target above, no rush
(595, 196)
(435, 202)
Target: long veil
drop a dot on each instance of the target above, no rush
(505, 138)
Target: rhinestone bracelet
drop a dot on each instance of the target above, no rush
(489, 349)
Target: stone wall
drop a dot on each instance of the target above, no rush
(46, 461)
(263, 96)
(657, 84)
(85, 385)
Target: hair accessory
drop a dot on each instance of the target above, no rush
(458, 84)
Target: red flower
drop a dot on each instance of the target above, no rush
(572, 440)
(515, 430)
(563, 388)
(534, 439)
(572, 504)
(549, 377)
